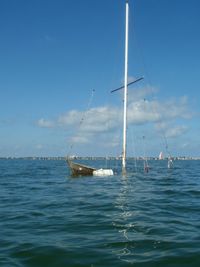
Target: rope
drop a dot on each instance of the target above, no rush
(82, 119)
(146, 165)
(147, 77)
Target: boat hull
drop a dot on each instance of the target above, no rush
(79, 169)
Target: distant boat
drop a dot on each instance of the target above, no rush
(161, 156)
(80, 169)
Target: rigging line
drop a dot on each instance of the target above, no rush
(88, 106)
(146, 165)
(134, 149)
(162, 133)
(169, 159)
(108, 132)
(83, 117)
(165, 142)
(147, 75)
(144, 150)
(139, 49)
(122, 87)
(149, 80)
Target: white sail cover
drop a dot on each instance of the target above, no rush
(103, 172)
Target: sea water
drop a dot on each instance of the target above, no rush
(48, 218)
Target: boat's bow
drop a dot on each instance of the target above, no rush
(79, 169)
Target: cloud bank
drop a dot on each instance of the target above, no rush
(97, 122)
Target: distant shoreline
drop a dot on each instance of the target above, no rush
(96, 158)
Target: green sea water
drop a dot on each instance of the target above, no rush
(48, 218)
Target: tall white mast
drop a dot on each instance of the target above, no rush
(125, 89)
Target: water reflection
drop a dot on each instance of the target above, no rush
(135, 219)
(123, 223)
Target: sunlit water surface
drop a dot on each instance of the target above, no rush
(50, 219)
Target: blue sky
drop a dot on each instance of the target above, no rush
(54, 53)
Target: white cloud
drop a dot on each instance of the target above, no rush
(168, 129)
(89, 125)
(176, 108)
(141, 93)
(184, 145)
(39, 146)
(176, 131)
(70, 118)
(45, 123)
(98, 119)
(143, 111)
(78, 139)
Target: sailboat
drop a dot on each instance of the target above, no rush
(160, 157)
(79, 169)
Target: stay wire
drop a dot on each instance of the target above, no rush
(82, 119)
(147, 77)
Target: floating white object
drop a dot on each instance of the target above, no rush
(170, 163)
(103, 172)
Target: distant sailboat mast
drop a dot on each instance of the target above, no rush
(125, 89)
